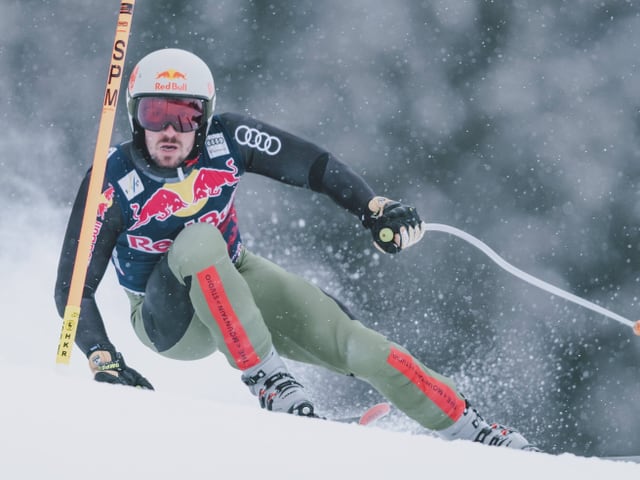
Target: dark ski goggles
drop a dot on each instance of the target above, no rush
(183, 114)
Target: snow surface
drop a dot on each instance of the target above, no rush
(59, 427)
(201, 422)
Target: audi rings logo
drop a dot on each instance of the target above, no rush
(254, 138)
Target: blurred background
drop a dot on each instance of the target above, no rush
(514, 121)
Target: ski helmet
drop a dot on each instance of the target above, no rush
(170, 72)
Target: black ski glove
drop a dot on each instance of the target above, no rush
(108, 366)
(394, 226)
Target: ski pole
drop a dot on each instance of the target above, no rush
(386, 235)
(105, 129)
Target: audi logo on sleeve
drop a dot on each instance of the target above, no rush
(254, 138)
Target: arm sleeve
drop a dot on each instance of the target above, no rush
(269, 151)
(91, 329)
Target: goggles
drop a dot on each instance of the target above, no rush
(183, 114)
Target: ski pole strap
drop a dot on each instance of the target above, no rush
(502, 263)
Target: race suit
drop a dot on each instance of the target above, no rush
(172, 236)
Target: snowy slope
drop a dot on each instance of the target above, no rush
(58, 427)
(201, 422)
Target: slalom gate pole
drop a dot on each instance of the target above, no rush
(88, 229)
(386, 234)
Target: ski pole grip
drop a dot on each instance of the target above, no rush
(385, 235)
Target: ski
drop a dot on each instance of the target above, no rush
(369, 416)
(380, 410)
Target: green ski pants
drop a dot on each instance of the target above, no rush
(198, 301)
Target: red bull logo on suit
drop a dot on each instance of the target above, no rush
(105, 201)
(186, 198)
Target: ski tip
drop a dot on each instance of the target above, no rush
(374, 413)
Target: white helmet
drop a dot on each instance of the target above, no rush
(170, 72)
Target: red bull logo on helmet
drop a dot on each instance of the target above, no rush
(171, 81)
(172, 75)
(132, 78)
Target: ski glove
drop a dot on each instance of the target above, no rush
(394, 226)
(108, 366)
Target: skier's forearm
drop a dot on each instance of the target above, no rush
(91, 328)
(337, 180)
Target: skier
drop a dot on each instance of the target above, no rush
(167, 221)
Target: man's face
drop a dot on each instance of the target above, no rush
(170, 126)
(169, 148)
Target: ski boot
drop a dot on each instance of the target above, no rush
(471, 426)
(276, 388)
